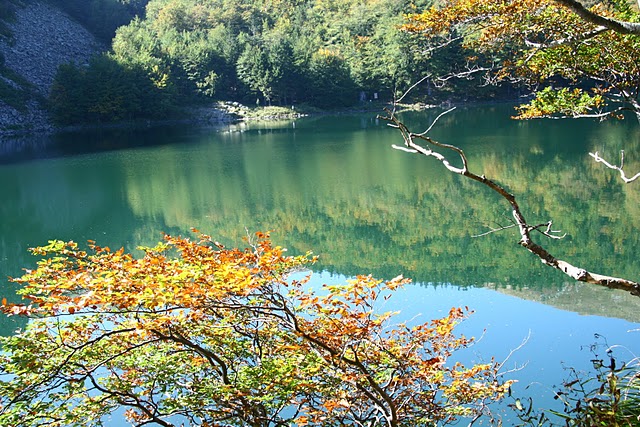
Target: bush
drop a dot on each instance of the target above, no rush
(105, 91)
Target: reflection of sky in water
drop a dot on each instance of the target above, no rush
(335, 186)
(555, 338)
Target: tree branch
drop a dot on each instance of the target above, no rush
(623, 175)
(622, 27)
(567, 40)
(577, 273)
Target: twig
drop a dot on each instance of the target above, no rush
(623, 175)
(577, 273)
(436, 121)
(511, 353)
(397, 101)
(495, 230)
(552, 234)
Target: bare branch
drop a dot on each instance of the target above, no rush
(623, 175)
(436, 120)
(568, 40)
(552, 234)
(524, 228)
(411, 88)
(495, 230)
(466, 74)
(511, 353)
(442, 45)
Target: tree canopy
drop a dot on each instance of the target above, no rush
(324, 53)
(196, 333)
(103, 17)
(580, 59)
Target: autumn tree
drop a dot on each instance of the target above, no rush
(193, 333)
(581, 61)
(580, 58)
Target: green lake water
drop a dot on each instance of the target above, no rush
(334, 185)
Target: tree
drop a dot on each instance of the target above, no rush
(256, 71)
(68, 103)
(540, 42)
(105, 91)
(422, 144)
(272, 49)
(198, 334)
(103, 17)
(548, 44)
(333, 86)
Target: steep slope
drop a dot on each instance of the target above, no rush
(43, 37)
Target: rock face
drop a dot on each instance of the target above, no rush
(43, 38)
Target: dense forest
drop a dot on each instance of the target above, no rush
(172, 53)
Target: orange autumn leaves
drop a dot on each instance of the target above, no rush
(544, 45)
(490, 23)
(221, 335)
(73, 279)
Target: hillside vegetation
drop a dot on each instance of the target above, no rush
(324, 53)
(102, 17)
(165, 55)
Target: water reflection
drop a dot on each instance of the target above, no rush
(334, 185)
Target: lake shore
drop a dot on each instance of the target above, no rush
(217, 114)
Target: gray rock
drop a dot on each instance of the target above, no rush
(43, 38)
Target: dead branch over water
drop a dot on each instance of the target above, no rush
(422, 144)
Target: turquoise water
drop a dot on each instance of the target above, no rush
(335, 186)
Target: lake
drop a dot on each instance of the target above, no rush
(334, 185)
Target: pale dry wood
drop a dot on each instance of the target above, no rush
(620, 169)
(428, 147)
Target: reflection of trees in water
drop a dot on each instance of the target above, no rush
(365, 208)
(336, 187)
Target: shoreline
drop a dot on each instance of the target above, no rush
(218, 114)
(222, 113)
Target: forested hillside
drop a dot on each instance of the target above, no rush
(324, 53)
(164, 55)
(102, 17)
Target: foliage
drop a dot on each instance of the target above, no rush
(199, 334)
(566, 102)
(608, 397)
(546, 44)
(322, 53)
(333, 86)
(102, 17)
(105, 91)
(14, 89)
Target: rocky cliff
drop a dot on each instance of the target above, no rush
(43, 38)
